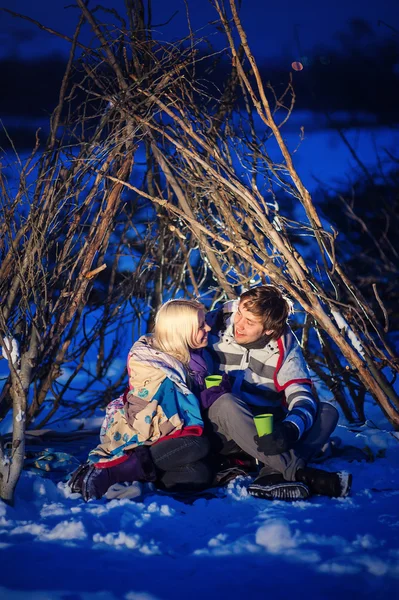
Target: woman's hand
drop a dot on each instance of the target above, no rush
(210, 395)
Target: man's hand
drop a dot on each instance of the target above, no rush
(283, 438)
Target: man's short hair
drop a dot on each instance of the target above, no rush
(268, 303)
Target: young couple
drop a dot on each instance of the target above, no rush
(168, 427)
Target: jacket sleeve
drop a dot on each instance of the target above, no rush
(302, 406)
(293, 377)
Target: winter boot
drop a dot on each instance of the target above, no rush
(138, 466)
(275, 487)
(324, 483)
(224, 476)
(76, 480)
(242, 461)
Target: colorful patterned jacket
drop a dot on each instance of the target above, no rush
(157, 404)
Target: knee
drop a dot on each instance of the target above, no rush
(200, 447)
(329, 414)
(191, 477)
(224, 405)
(173, 453)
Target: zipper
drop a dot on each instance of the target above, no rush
(240, 376)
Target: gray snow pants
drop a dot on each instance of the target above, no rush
(232, 420)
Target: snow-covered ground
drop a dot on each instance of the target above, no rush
(53, 546)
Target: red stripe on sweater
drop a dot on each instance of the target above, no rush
(279, 363)
(291, 381)
(281, 388)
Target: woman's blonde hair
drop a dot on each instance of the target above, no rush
(176, 323)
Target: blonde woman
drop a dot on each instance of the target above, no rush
(154, 432)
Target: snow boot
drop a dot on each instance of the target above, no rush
(223, 477)
(220, 463)
(138, 466)
(275, 487)
(325, 483)
(228, 467)
(76, 480)
(241, 461)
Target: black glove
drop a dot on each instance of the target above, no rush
(283, 438)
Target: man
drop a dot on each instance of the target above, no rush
(251, 341)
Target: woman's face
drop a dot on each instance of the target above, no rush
(200, 336)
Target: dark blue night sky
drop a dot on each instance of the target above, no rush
(274, 28)
(344, 76)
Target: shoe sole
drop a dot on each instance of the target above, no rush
(288, 491)
(346, 483)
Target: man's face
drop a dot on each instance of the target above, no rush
(248, 327)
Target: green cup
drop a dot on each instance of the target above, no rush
(264, 424)
(212, 380)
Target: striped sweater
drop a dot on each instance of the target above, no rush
(274, 376)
